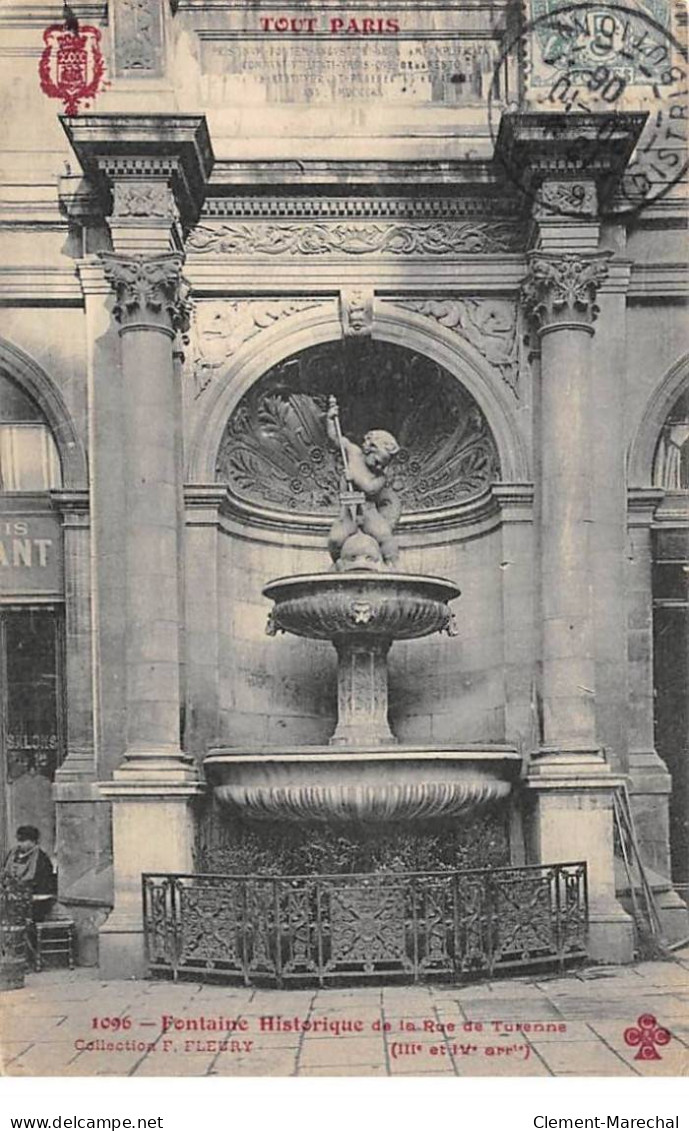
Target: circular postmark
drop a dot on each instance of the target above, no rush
(607, 74)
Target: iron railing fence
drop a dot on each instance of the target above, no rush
(411, 926)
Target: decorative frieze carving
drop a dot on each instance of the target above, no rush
(489, 325)
(275, 451)
(563, 288)
(356, 312)
(358, 239)
(218, 329)
(150, 290)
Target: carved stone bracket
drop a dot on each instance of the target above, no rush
(150, 291)
(575, 199)
(145, 218)
(144, 199)
(563, 289)
(356, 312)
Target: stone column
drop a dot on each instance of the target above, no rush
(155, 783)
(569, 781)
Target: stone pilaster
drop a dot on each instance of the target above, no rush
(79, 765)
(203, 506)
(517, 556)
(82, 814)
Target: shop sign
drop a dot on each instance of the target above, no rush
(31, 752)
(30, 555)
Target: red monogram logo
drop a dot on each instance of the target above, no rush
(71, 66)
(646, 1036)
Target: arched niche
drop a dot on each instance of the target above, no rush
(283, 688)
(643, 465)
(393, 325)
(38, 387)
(275, 454)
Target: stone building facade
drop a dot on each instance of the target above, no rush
(248, 217)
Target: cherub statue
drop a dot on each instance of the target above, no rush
(362, 536)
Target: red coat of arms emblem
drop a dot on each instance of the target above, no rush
(71, 66)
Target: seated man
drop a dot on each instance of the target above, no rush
(28, 865)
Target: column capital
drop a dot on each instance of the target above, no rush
(151, 291)
(560, 290)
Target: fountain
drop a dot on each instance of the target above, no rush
(362, 606)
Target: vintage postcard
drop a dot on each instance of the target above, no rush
(344, 553)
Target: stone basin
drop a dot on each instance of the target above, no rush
(361, 612)
(395, 606)
(317, 784)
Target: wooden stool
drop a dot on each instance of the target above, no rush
(54, 937)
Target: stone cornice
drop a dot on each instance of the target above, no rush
(39, 285)
(315, 205)
(561, 289)
(41, 15)
(538, 146)
(642, 503)
(150, 291)
(73, 507)
(515, 501)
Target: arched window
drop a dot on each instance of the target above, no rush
(671, 463)
(29, 459)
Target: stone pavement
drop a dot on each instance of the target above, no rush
(74, 1024)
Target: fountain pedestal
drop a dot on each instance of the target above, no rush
(362, 691)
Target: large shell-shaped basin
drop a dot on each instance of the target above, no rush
(315, 784)
(323, 606)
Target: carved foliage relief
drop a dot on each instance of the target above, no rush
(489, 325)
(218, 329)
(275, 452)
(320, 239)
